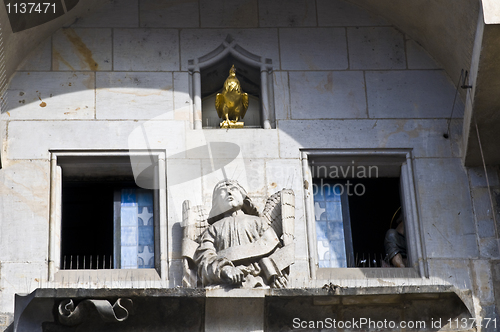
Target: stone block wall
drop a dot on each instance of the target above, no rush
(343, 78)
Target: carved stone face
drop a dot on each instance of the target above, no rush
(229, 198)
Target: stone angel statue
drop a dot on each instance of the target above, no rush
(235, 245)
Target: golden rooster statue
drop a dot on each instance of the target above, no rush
(231, 104)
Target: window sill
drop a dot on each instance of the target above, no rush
(106, 275)
(364, 273)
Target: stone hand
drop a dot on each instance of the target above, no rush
(232, 274)
(279, 282)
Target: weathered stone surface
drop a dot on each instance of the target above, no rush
(145, 50)
(418, 58)
(495, 269)
(299, 271)
(424, 136)
(6, 320)
(111, 14)
(375, 313)
(287, 174)
(478, 177)
(448, 229)
(40, 59)
(327, 95)
(19, 278)
(281, 313)
(169, 14)
(139, 95)
(483, 282)
(281, 95)
(229, 13)
(233, 143)
(50, 95)
(482, 204)
(313, 49)
(343, 13)
(234, 314)
(82, 49)
(93, 135)
(24, 205)
(151, 313)
(489, 248)
(427, 313)
(485, 228)
(250, 174)
(294, 13)
(455, 137)
(175, 272)
(491, 316)
(451, 271)
(196, 43)
(376, 48)
(184, 181)
(182, 98)
(410, 94)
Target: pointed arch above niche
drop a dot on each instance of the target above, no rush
(207, 76)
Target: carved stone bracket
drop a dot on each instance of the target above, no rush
(71, 315)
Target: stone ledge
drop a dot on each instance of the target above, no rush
(186, 308)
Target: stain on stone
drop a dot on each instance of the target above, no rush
(21, 93)
(42, 104)
(56, 57)
(84, 52)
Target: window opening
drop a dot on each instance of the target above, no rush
(107, 221)
(352, 218)
(382, 178)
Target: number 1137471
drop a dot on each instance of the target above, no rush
(31, 7)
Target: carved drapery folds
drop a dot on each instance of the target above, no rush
(237, 246)
(72, 315)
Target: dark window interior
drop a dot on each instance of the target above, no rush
(368, 205)
(87, 223)
(371, 215)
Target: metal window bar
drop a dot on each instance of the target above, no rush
(82, 262)
(363, 259)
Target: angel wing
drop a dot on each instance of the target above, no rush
(280, 213)
(244, 103)
(219, 105)
(194, 223)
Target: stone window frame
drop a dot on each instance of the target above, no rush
(160, 272)
(401, 158)
(230, 47)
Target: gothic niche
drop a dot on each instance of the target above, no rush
(233, 245)
(209, 72)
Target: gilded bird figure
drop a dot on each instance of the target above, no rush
(231, 104)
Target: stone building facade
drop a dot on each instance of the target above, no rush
(123, 87)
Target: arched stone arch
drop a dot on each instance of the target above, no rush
(217, 60)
